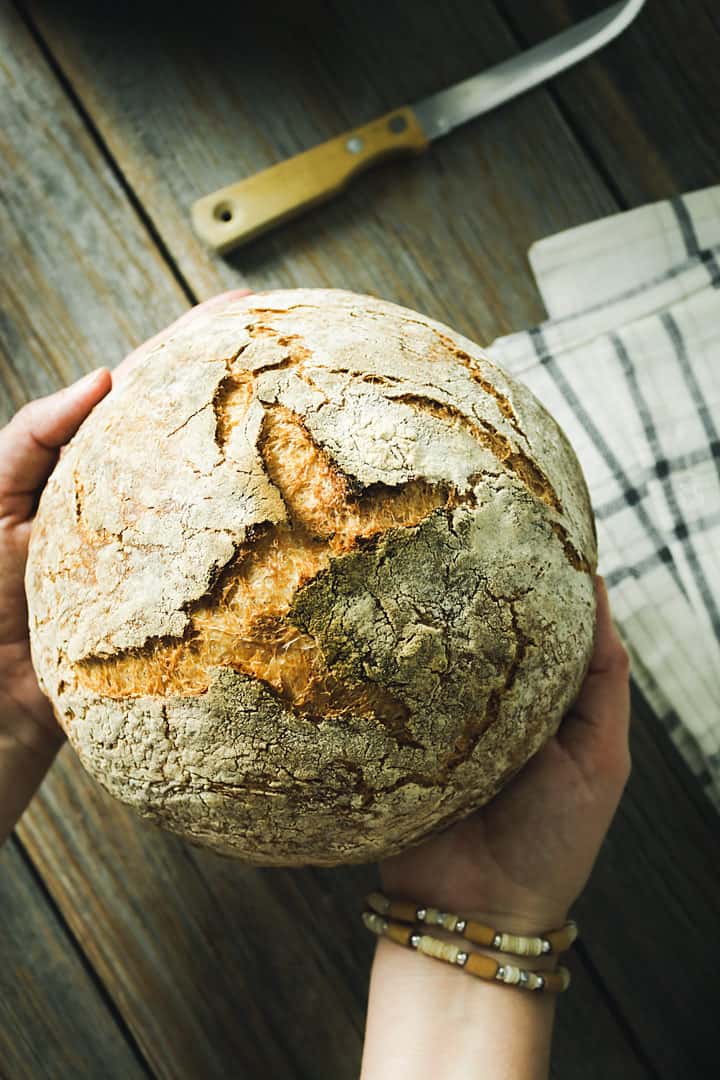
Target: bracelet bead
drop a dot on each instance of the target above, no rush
(477, 964)
(551, 941)
(398, 933)
(517, 945)
(483, 967)
(440, 950)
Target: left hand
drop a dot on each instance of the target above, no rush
(29, 449)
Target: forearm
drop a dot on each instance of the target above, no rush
(24, 760)
(429, 1021)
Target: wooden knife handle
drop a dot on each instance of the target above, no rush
(235, 214)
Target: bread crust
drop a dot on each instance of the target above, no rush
(478, 619)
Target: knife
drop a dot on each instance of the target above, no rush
(237, 213)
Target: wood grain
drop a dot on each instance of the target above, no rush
(187, 108)
(200, 982)
(53, 1020)
(642, 107)
(653, 900)
(183, 108)
(82, 285)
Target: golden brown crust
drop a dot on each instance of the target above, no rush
(314, 581)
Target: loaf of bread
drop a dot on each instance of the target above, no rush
(314, 582)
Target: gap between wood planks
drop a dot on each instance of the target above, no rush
(75, 946)
(614, 1009)
(157, 239)
(112, 162)
(564, 113)
(148, 223)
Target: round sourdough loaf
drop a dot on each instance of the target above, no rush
(314, 581)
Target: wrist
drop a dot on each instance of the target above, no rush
(530, 917)
(427, 1019)
(527, 922)
(548, 962)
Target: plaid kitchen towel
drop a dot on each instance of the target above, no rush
(629, 364)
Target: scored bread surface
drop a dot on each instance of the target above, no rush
(314, 581)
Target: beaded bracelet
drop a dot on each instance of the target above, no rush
(552, 941)
(477, 964)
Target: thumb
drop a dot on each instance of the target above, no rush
(595, 732)
(29, 443)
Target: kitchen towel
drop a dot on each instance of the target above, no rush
(629, 365)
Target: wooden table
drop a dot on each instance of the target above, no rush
(126, 953)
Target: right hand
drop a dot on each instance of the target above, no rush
(520, 862)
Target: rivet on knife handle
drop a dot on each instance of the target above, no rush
(235, 214)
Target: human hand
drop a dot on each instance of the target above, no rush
(521, 861)
(29, 449)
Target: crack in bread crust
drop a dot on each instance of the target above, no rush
(518, 462)
(370, 626)
(474, 368)
(242, 622)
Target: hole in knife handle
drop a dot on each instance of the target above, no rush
(223, 212)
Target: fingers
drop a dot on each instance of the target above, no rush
(609, 651)
(29, 443)
(120, 372)
(596, 730)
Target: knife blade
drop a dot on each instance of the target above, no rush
(238, 212)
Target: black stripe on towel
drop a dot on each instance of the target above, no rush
(655, 558)
(658, 469)
(690, 237)
(629, 493)
(706, 419)
(640, 568)
(692, 243)
(680, 525)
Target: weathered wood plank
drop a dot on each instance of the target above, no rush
(183, 112)
(650, 915)
(280, 957)
(196, 986)
(53, 1020)
(166, 976)
(643, 106)
(188, 107)
(81, 284)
